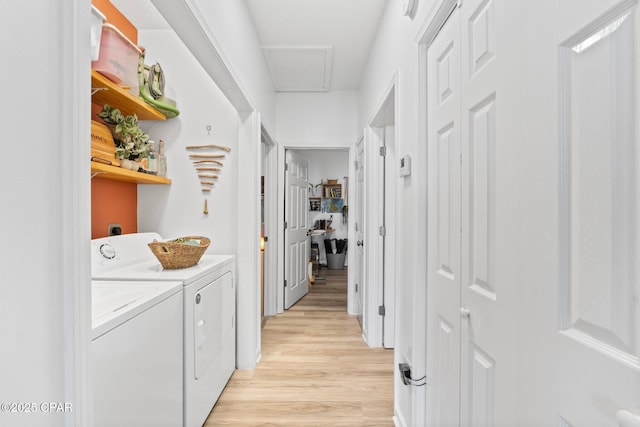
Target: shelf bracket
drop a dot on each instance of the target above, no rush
(95, 90)
(93, 175)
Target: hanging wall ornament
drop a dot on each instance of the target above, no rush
(208, 165)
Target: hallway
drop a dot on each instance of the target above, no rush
(315, 369)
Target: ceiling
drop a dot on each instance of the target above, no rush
(309, 45)
(316, 44)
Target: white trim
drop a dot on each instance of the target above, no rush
(375, 214)
(430, 28)
(418, 356)
(186, 19)
(398, 419)
(280, 224)
(248, 257)
(373, 266)
(428, 32)
(385, 100)
(434, 21)
(351, 228)
(76, 202)
(270, 53)
(270, 222)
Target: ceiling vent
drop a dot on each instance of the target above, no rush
(300, 68)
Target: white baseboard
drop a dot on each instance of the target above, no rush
(398, 419)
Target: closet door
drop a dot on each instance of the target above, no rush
(490, 134)
(472, 316)
(583, 262)
(443, 264)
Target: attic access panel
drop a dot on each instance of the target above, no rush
(300, 69)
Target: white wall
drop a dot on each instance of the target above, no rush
(44, 268)
(232, 26)
(395, 51)
(317, 118)
(177, 209)
(312, 120)
(227, 44)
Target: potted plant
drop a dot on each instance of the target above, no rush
(131, 141)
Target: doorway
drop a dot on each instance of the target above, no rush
(379, 221)
(326, 208)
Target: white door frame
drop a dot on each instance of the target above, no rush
(380, 273)
(358, 197)
(427, 33)
(270, 172)
(276, 175)
(248, 257)
(75, 232)
(372, 298)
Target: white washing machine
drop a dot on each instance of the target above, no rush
(136, 353)
(209, 328)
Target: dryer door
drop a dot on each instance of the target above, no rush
(211, 330)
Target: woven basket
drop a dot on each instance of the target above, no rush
(174, 255)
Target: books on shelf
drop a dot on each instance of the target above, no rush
(333, 191)
(314, 203)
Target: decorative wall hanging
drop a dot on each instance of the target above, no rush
(208, 165)
(332, 205)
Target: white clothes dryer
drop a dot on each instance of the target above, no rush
(209, 326)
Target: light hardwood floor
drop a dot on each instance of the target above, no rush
(315, 370)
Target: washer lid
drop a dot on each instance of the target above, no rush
(114, 303)
(152, 270)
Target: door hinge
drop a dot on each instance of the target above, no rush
(286, 166)
(356, 287)
(381, 310)
(285, 283)
(383, 230)
(383, 151)
(355, 163)
(286, 225)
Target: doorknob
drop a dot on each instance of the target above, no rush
(627, 419)
(465, 313)
(360, 243)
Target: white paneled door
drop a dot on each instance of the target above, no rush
(296, 240)
(533, 213)
(591, 102)
(472, 304)
(443, 264)
(490, 129)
